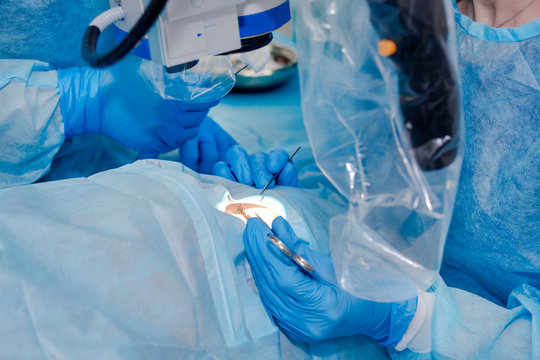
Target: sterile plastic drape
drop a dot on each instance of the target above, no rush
(210, 80)
(381, 104)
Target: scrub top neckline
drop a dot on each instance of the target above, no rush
(489, 33)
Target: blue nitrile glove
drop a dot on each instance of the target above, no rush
(258, 168)
(119, 103)
(207, 148)
(313, 308)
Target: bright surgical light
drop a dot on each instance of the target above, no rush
(267, 209)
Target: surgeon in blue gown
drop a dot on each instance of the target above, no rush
(56, 109)
(492, 308)
(490, 304)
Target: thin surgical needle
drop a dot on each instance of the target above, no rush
(276, 175)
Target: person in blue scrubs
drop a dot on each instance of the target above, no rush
(49, 96)
(492, 254)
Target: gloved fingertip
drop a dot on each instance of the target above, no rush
(223, 170)
(279, 221)
(257, 160)
(289, 176)
(258, 157)
(261, 176)
(236, 150)
(276, 160)
(244, 176)
(238, 159)
(285, 232)
(255, 222)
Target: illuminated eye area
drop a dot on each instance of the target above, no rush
(267, 209)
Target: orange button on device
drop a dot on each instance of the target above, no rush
(387, 48)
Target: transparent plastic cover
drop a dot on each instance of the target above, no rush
(208, 81)
(381, 104)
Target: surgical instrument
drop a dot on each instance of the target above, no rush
(278, 173)
(297, 259)
(177, 33)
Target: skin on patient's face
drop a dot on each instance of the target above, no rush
(495, 12)
(246, 208)
(244, 211)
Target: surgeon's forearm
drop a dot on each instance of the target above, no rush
(31, 127)
(466, 326)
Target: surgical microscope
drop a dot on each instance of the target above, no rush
(177, 33)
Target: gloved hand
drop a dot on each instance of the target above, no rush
(313, 307)
(119, 102)
(258, 168)
(207, 148)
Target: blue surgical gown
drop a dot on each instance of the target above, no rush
(36, 38)
(491, 306)
(492, 249)
(48, 30)
(495, 230)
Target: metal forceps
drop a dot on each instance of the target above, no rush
(296, 258)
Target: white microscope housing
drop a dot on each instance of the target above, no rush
(188, 30)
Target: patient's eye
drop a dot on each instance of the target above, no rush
(268, 209)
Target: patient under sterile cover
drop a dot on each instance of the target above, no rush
(140, 263)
